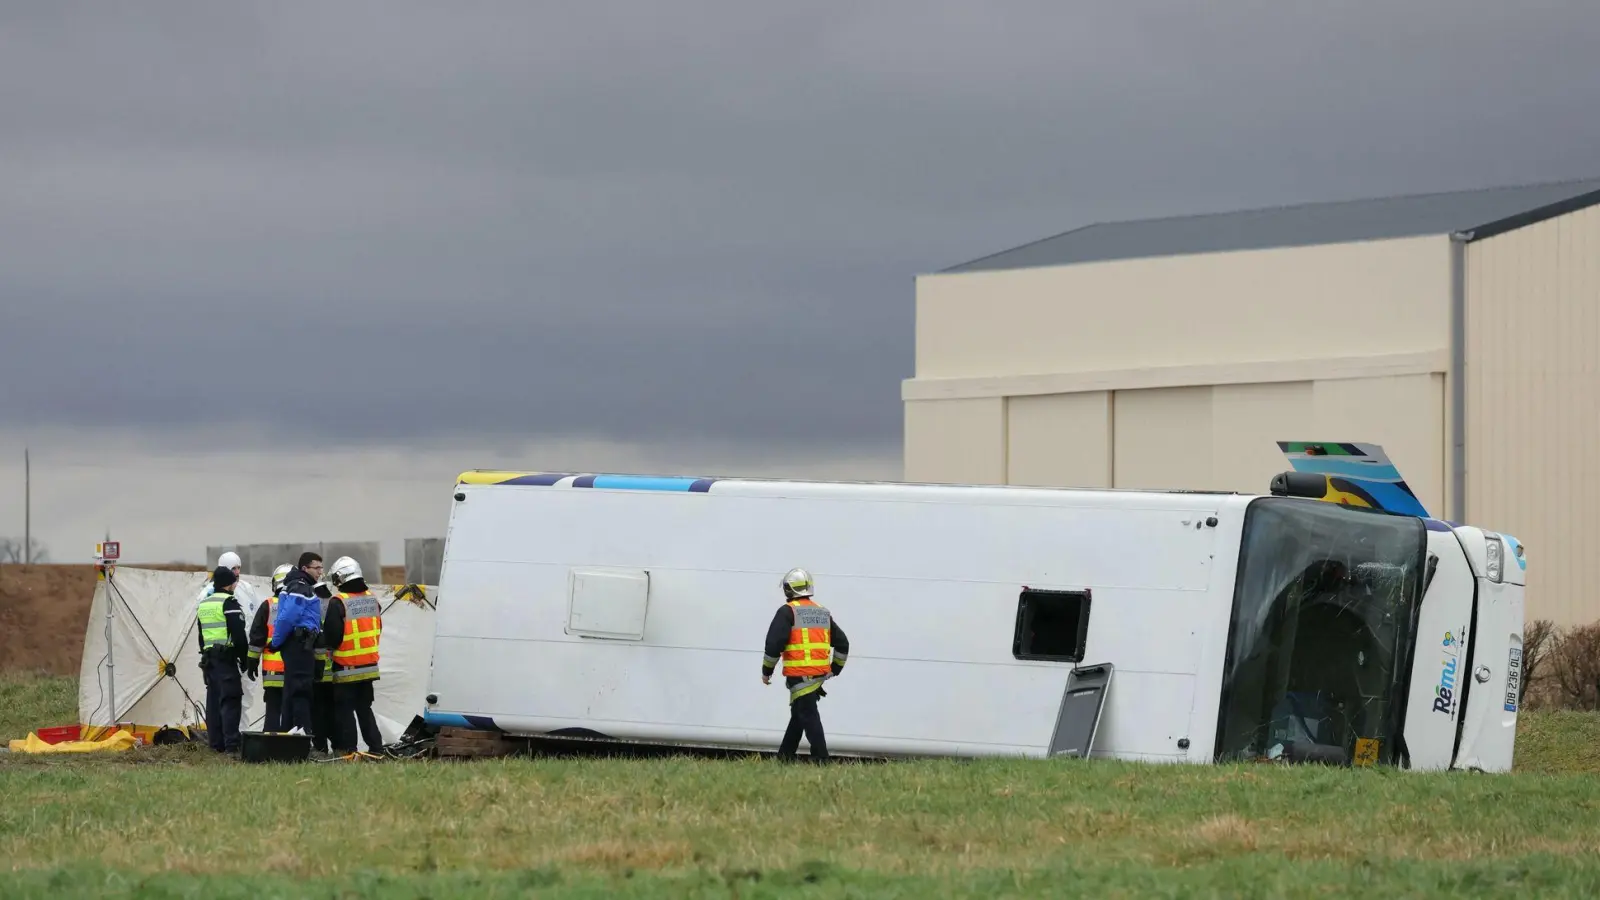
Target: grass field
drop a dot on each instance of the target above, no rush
(181, 822)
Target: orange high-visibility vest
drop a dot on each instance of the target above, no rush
(810, 648)
(357, 654)
(271, 660)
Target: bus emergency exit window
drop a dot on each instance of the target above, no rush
(1051, 625)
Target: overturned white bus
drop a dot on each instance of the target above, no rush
(1218, 627)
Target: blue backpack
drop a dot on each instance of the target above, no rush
(295, 611)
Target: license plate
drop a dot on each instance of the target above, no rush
(1513, 678)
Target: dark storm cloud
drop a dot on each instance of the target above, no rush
(687, 219)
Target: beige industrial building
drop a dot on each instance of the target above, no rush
(1461, 331)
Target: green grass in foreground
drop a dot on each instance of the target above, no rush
(183, 822)
(29, 701)
(1558, 743)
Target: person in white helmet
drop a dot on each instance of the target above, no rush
(269, 663)
(812, 647)
(352, 631)
(244, 593)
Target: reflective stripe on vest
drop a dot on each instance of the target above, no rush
(810, 647)
(271, 660)
(357, 654)
(805, 686)
(213, 623)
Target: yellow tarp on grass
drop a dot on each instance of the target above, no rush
(145, 733)
(119, 740)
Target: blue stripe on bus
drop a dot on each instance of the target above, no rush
(643, 483)
(1513, 544)
(1392, 497)
(456, 720)
(544, 480)
(1328, 465)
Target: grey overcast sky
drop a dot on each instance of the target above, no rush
(260, 260)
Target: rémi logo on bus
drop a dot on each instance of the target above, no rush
(1444, 696)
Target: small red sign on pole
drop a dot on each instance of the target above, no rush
(110, 551)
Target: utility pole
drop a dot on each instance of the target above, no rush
(27, 507)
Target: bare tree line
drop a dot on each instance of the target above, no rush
(11, 551)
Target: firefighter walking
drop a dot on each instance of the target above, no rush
(813, 648)
(355, 622)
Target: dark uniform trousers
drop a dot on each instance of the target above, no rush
(324, 715)
(299, 672)
(355, 709)
(274, 700)
(224, 700)
(804, 718)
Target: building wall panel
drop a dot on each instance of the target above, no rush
(1368, 298)
(1225, 437)
(1533, 403)
(956, 441)
(1247, 421)
(1163, 438)
(1059, 439)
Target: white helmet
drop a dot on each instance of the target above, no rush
(796, 583)
(344, 569)
(229, 560)
(279, 574)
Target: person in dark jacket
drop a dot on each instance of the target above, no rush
(812, 647)
(296, 631)
(308, 579)
(222, 659)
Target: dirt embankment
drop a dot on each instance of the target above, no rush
(44, 611)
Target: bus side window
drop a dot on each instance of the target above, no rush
(1051, 625)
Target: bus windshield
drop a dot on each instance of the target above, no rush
(1321, 633)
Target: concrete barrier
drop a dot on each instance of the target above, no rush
(261, 559)
(424, 559)
(213, 552)
(266, 557)
(254, 559)
(368, 553)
